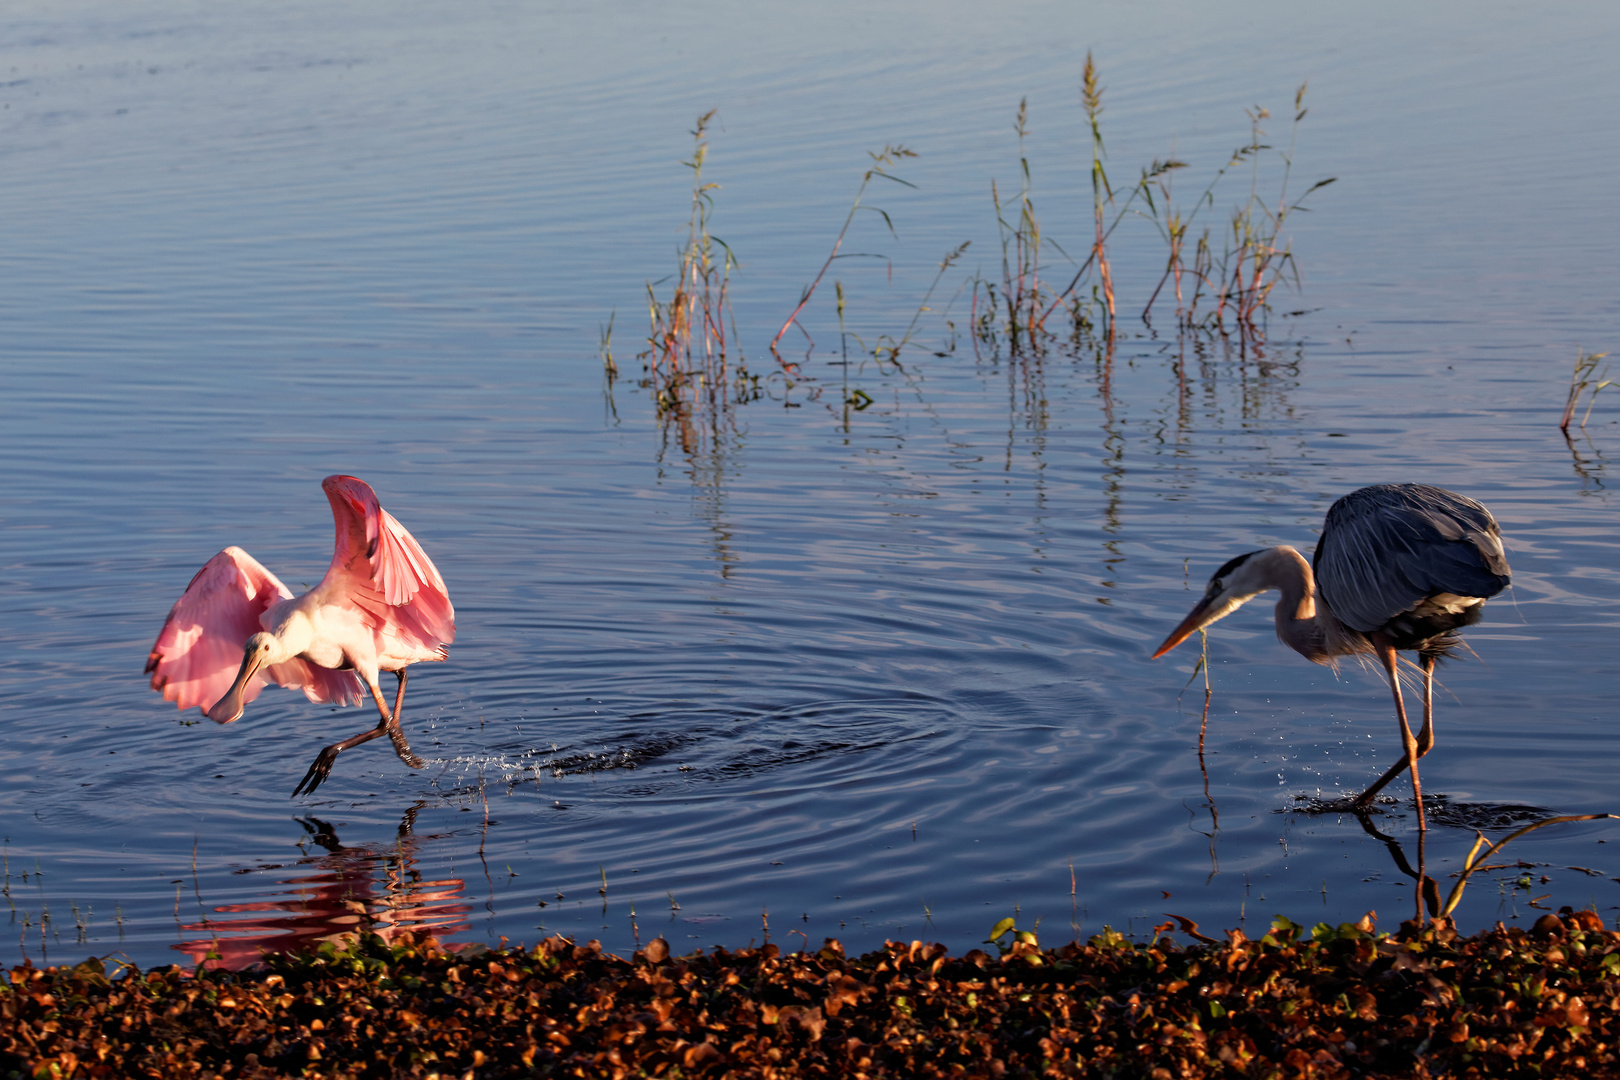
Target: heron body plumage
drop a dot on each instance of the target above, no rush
(1415, 561)
(1398, 567)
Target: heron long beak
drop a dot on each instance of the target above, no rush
(229, 707)
(1200, 616)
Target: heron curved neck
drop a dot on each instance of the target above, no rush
(1298, 626)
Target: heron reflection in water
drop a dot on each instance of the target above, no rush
(1398, 566)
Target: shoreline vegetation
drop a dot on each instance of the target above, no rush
(1330, 1002)
(1220, 277)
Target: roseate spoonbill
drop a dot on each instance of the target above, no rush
(382, 606)
(1399, 566)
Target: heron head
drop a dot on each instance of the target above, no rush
(1236, 582)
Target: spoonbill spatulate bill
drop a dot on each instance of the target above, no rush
(382, 606)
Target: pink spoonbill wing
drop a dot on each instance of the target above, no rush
(198, 651)
(386, 573)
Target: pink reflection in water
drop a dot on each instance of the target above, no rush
(347, 890)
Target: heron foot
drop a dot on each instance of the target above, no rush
(1357, 805)
(318, 771)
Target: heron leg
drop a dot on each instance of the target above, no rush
(1425, 737)
(1409, 742)
(388, 725)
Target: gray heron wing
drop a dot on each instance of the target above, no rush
(1385, 549)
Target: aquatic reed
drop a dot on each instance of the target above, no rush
(604, 348)
(1222, 284)
(1015, 308)
(1584, 376)
(1257, 256)
(882, 162)
(887, 348)
(1021, 307)
(1235, 275)
(687, 360)
(1101, 191)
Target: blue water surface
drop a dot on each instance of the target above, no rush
(822, 672)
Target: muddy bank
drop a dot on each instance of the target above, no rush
(1333, 1002)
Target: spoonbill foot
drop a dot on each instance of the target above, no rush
(318, 771)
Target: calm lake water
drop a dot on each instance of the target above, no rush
(874, 676)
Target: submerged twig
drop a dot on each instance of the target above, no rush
(1475, 858)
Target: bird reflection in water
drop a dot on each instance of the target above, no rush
(339, 893)
(1426, 891)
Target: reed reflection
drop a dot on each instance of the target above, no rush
(1588, 466)
(334, 895)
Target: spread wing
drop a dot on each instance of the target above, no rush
(385, 571)
(198, 651)
(1386, 549)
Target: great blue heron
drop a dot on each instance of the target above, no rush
(1399, 566)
